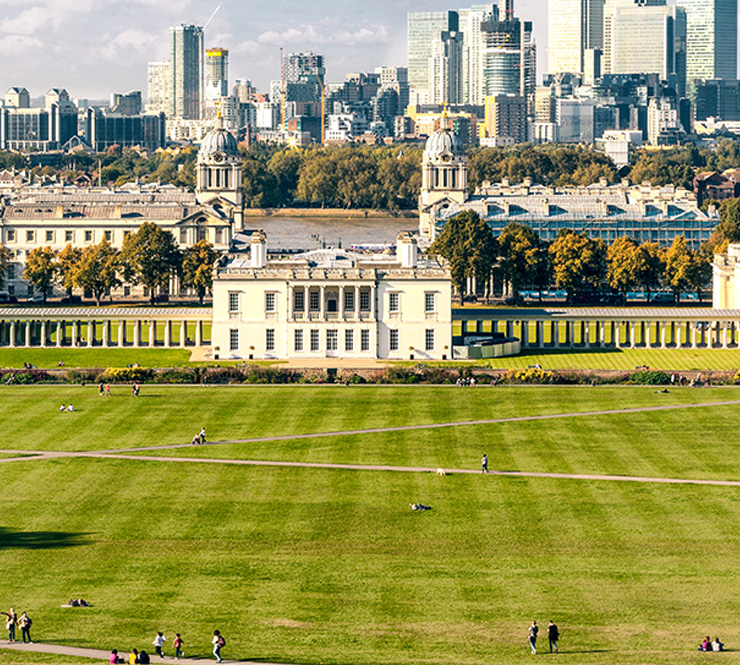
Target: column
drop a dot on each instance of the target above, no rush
(663, 335)
(510, 328)
(28, 334)
(554, 334)
(43, 333)
(168, 334)
(90, 333)
(524, 332)
(373, 302)
(198, 333)
(137, 333)
(340, 304)
(13, 331)
(322, 302)
(725, 341)
(694, 343)
(307, 303)
(538, 334)
(357, 302)
(121, 334)
(152, 334)
(290, 309)
(60, 333)
(601, 330)
(586, 333)
(631, 333)
(183, 334)
(106, 334)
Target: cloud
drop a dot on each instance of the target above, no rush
(326, 34)
(13, 44)
(130, 40)
(27, 22)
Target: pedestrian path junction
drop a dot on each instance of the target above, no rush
(12, 456)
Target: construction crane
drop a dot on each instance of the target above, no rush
(215, 11)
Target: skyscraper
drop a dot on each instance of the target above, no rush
(217, 73)
(711, 39)
(574, 26)
(470, 21)
(186, 72)
(445, 69)
(158, 87)
(423, 29)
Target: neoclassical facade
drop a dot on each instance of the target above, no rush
(56, 216)
(726, 279)
(332, 303)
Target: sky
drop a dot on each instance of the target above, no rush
(95, 47)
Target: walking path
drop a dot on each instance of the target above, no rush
(99, 654)
(33, 455)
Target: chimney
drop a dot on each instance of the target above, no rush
(60, 212)
(258, 246)
(406, 250)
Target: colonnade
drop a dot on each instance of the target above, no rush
(616, 333)
(341, 312)
(103, 330)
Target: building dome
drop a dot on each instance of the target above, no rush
(218, 141)
(443, 141)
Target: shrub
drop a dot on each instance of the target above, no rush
(529, 376)
(12, 377)
(126, 375)
(650, 378)
(183, 375)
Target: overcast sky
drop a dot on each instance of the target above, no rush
(95, 47)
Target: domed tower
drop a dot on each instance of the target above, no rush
(219, 169)
(444, 178)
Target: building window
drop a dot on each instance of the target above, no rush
(314, 301)
(314, 340)
(394, 340)
(88, 236)
(298, 340)
(430, 304)
(270, 302)
(11, 271)
(270, 339)
(50, 236)
(29, 236)
(349, 300)
(331, 340)
(429, 340)
(11, 235)
(109, 236)
(364, 340)
(233, 302)
(183, 236)
(219, 236)
(299, 303)
(394, 302)
(349, 340)
(201, 234)
(233, 340)
(364, 301)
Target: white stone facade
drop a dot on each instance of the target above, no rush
(332, 303)
(726, 279)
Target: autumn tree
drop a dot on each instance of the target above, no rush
(622, 265)
(67, 261)
(150, 257)
(577, 261)
(650, 260)
(197, 268)
(678, 266)
(6, 257)
(522, 258)
(97, 270)
(41, 268)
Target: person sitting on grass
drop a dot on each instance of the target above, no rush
(70, 408)
(62, 408)
(115, 658)
(706, 645)
(717, 645)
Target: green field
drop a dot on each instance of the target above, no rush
(311, 565)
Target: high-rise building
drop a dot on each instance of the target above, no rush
(186, 72)
(217, 73)
(23, 128)
(506, 118)
(158, 87)
(508, 57)
(711, 39)
(573, 27)
(445, 69)
(423, 29)
(126, 104)
(18, 97)
(646, 37)
(470, 21)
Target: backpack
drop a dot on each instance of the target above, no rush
(221, 641)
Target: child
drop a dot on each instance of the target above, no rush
(158, 643)
(178, 645)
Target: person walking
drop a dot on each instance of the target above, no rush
(218, 643)
(11, 623)
(484, 464)
(553, 635)
(158, 643)
(25, 624)
(202, 435)
(178, 646)
(533, 630)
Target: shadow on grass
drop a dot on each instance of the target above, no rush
(39, 540)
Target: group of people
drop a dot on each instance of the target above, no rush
(66, 407)
(708, 645)
(142, 657)
(553, 636)
(13, 622)
(469, 381)
(104, 389)
(200, 437)
(78, 602)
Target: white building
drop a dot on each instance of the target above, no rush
(726, 279)
(333, 303)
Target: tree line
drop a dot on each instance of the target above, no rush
(149, 257)
(574, 262)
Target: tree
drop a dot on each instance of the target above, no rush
(622, 265)
(197, 268)
(97, 270)
(577, 261)
(468, 244)
(67, 261)
(6, 256)
(523, 258)
(678, 266)
(650, 266)
(699, 273)
(150, 257)
(41, 268)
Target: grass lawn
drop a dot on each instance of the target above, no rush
(97, 357)
(300, 565)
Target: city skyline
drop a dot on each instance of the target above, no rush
(40, 39)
